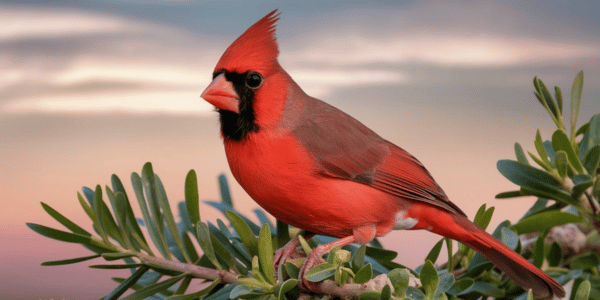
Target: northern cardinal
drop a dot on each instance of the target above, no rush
(315, 167)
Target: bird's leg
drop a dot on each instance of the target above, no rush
(289, 250)
(315, 258)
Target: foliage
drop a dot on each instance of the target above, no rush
(236, 258)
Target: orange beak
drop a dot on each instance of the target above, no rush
(222, 95)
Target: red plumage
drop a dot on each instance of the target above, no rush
(317, 168)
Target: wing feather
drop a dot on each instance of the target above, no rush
(345, 148)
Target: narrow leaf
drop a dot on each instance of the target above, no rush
(520, 154)
(63, 220)
(358, 260)
(192, 201)
(283, 234)
(69, 261)
(205, 241)
(167, 214)
(244, 232)
(156, 237)
(592, 160)
(435, 251)
(560, 141)
(576, 91)
(126, 284)
(224, 188)
(59, 234)
(155, 288)
(265, 253)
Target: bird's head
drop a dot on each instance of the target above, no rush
(249, 86)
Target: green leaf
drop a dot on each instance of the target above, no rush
(222, 252)
(196, 295)
(167, 214)
(320, 272)
(370, 295)
(533, 179)
(59, 234)
(285, 287)
(358, 260)
(224, 188)
(131, 220)
(63, 220)
(292, 270)
(117, 266)
(576, 91)
(461, 287)
(483, 216)
(265, 253)
(156, 236)
(587, 261)
(155, 288)
(560, 141)
(539, 146)
(364, 274)
(591, 137)
(400, 279)
(117, 255)
(331, 255)
(520, 154)
(446, 282)
(559, 99)
(107, 222)
(429, 279)
(538, 251)
(511, 194)
(435, 251)
(546, 220)
(305, 246)
(562, 163)
(283, 234)
(554, 255)
(592, 160)
(582, 183)
(244, 232)
(386, 293)
(192, 201)
(583, 291)
(69, 261)
(205, 241)
(381, 254)
(126, 284)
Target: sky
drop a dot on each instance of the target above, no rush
(100, 87)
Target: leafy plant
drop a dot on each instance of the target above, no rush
(236, 257)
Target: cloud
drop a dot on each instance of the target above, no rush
(60, 60)
(479, 33)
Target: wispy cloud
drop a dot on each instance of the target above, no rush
(76, 61)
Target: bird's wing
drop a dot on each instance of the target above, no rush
(345, 148)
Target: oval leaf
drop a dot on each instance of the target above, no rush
(265, 253)
(545, 220)
(364, 274)
(429, 279)
(533, 179)
(320, 272)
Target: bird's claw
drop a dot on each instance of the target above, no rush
(290, 250)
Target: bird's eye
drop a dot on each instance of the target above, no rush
(253, 80)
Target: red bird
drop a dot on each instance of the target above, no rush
(315, 167)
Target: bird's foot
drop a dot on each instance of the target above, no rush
(313, 259)
(290, 250)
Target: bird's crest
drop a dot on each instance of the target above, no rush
(256, 49)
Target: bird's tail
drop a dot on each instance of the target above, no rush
(514, 265)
